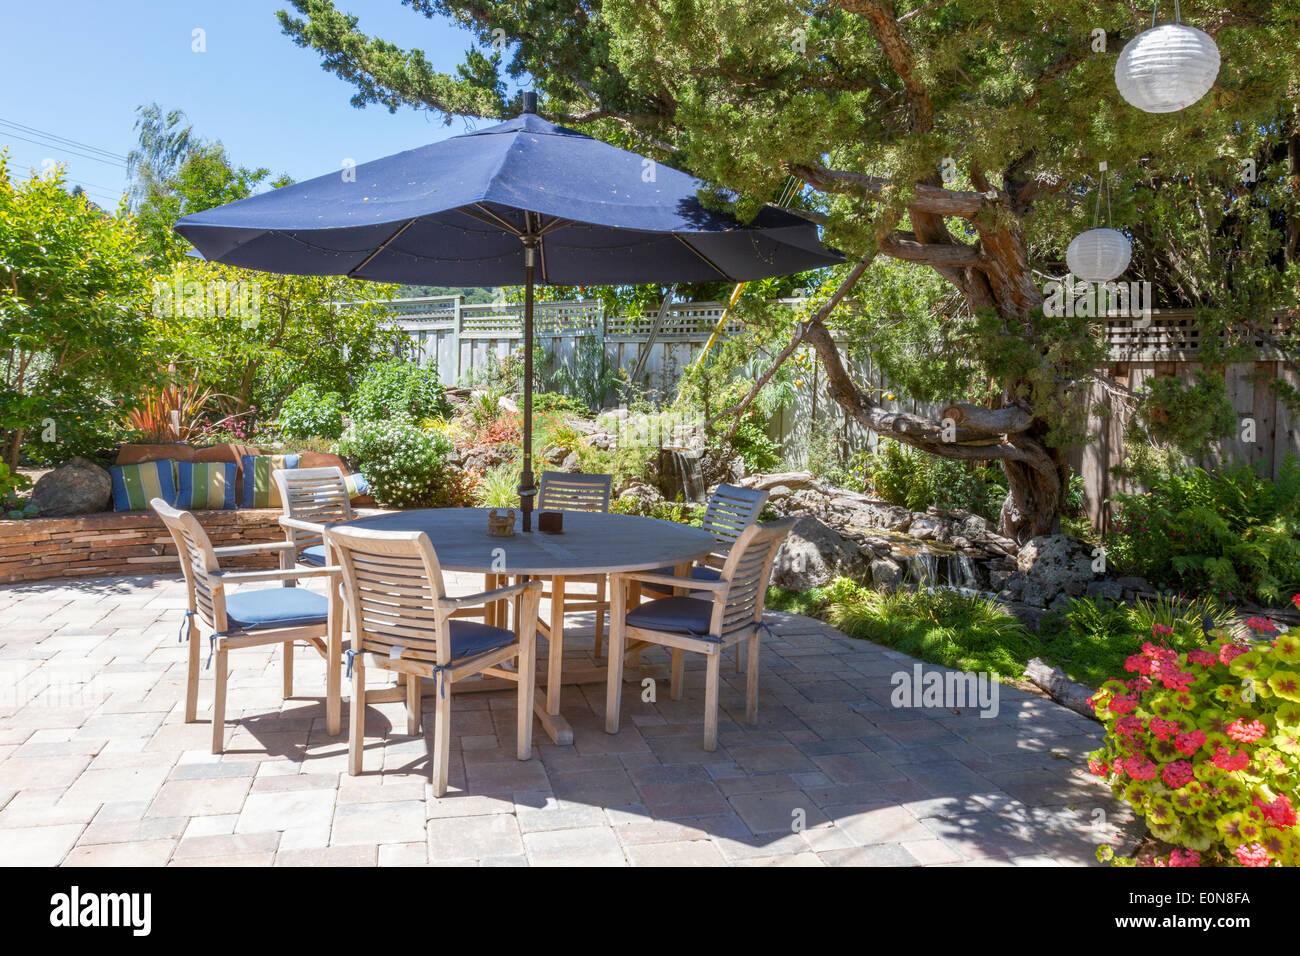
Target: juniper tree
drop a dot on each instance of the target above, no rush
(959, 137)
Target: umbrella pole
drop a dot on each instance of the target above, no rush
(527, 485)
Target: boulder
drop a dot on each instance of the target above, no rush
(886, 573)
(639, 498)
(812, 555)
(1054, 563)
(76, 487)
(1112, 590)
(924, 528)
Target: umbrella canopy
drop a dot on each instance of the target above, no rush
(524, 200)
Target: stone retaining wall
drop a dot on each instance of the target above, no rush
(127, 542)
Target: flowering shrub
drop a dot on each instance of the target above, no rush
(1205, 746)
(405, 464)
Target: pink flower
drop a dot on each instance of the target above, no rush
(1228, 651)
(1247, 732)
(1184, 858)
(1177, 774)
(1204, 658)
(1252, 854)
(1129, 726)
(1122, 705)
(1225, 759)
(1190, 742)
(1163, 729)
(1261, 624)
(1139, 663)
(1139, 767)
(1279, 813)
(1295, 599)
(1098, 767)
(1159, 629)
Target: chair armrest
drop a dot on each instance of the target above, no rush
(278, 574)
(689, 584)
(233, 549)
(489, 597)
(300, 525)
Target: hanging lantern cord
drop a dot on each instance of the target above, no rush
(1102, 186)
(1178, 14)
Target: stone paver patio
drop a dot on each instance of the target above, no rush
(97, 766)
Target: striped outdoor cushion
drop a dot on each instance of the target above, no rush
(135, 485)
(205, 485)
(259, 490)
(358, 485)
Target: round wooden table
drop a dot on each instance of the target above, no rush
(592, 543)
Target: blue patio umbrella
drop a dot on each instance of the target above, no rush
(524, 199)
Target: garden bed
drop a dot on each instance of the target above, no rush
(126, 542)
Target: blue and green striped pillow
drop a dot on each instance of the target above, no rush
(205, 485)
(259, 489)
(134, 486)
(358, 485)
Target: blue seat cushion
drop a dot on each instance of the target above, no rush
(275, 607)
(471, 638)
(676, 615)
(314, 555)
(699, 572)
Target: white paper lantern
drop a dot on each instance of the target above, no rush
(1099, 255)
(1167, 68)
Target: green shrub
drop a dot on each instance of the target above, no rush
(1228, 532)
(311, 413)
(622, 462)
(918, 480)
(11, 483)
(1092, 637)
(1205, 746)
(396, 389)
(559, 402)
(405, 464)
(965, 632)
(752, 443)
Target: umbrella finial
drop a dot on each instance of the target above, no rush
(528, 102)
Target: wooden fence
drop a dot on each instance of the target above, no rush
(461, 339)
(1168, 347)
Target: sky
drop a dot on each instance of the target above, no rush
(77, 69)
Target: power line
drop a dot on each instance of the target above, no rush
(58, 147)
(64, 139)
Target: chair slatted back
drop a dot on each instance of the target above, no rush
(319, 495)
(392, 584)
(730, 511)
(748, 568)
(564, 491)
(198, 562)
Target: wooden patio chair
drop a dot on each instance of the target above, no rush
(244, 619)
(403, 621)
(566, 491)
(732, 613)
(730, 511)
(311, 498)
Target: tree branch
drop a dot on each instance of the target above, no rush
(795, 341)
